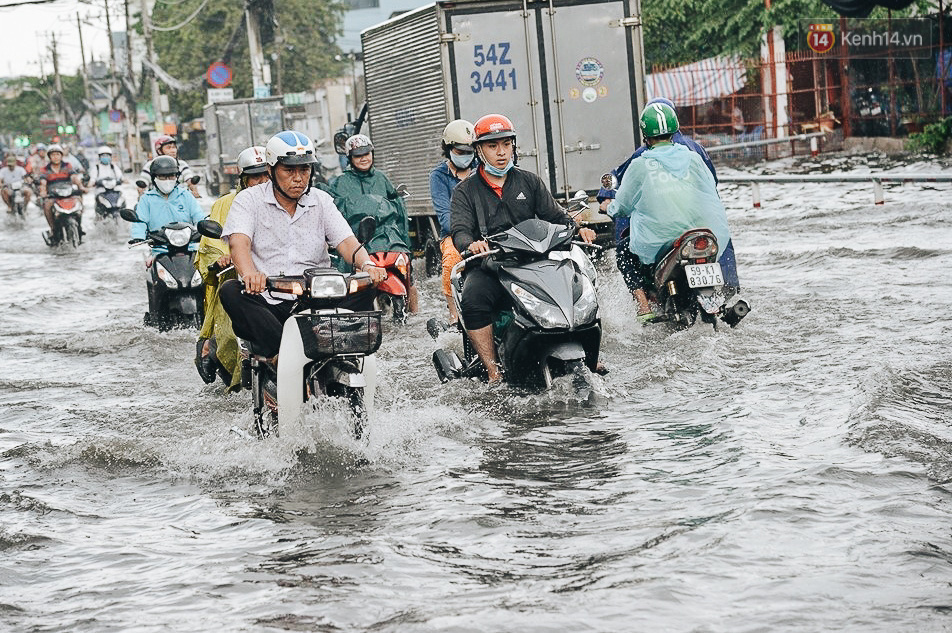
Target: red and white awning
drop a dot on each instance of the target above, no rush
(699, 82)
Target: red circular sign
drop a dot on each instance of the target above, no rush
(820, 37)
(218, 75)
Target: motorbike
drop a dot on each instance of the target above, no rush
(551, 328)
(325, 350)
(67, 215)
(18, 199)
(689, 283)
(174, 286)
(110, 200)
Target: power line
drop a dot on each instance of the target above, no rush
(20, 4)
(180, 24)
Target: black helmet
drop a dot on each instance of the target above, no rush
(164, 166)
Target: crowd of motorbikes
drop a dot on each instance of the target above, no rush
(550, 330)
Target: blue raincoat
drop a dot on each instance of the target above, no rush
(666, 191)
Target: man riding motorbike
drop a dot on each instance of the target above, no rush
(626, 262)
(9, 174)
(361, 191)
(284, 227)
(459, 162)
(216, 347)
(166, 201)
(666, 191)
(494, 199)
(165, 145)
(103, 170)
(54, 171)
(37, 160)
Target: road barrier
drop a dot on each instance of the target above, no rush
(876, 179)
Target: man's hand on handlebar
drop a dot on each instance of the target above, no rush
(587, 235)
(478, 247)
(255, 283)
(376, 273)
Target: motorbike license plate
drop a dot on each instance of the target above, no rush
(704, 275)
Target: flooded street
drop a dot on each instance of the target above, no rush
(790, 475)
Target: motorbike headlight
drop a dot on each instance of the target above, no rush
(587, 304)
(101, 199)
(178, 237)
(545, 313)
(196, 279)
(328, 287)
(166, 276)
(584, 262)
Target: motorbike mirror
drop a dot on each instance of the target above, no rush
(129, 215)
(194, 179)
(85, 179)
(141, 184)
(609, 181)
(580, 195)
(402, 191)
(339, 139)
(366, 229)
(209, 228)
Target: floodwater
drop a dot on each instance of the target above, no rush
(790, 475)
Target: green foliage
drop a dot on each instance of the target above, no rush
(933, 138)
(690, 30)
(21, 115)
(299, 43)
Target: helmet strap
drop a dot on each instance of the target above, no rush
(277, 187)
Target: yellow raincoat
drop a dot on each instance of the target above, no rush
(217, 323)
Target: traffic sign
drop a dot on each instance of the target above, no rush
(115, 115)
(218, 75)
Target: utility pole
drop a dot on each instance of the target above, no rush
(132, 114)
(82, 54)
(254, 47)
(58, 84)
(150, 53)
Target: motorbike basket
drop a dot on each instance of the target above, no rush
(340, 334)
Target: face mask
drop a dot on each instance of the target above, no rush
(462, 161)
(498, 172)
(105, 159)
(165, 186)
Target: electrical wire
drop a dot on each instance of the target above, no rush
(179, 25)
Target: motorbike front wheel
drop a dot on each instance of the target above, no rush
(355, 403)
(71, 232)
(396, 305)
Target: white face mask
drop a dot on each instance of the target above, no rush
(165, 186)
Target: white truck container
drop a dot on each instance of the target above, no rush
(232, 126)
(568, 73)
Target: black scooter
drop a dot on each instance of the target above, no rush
(174, 285)
(67, 215)
(551, 327)
(110, 201)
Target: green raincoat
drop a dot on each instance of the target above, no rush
(370, 193)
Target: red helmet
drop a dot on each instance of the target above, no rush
(492, 127)
(162, 141)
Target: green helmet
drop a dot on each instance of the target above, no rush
(658, 119)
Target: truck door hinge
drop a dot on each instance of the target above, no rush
(582, 147)
(446, 38)
(627, 22)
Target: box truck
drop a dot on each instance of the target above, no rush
(568, 73)
(232, 126)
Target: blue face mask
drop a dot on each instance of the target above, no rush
(498, 172)
(105, 159)
(462, 161)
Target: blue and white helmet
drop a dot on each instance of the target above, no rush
(290, 148)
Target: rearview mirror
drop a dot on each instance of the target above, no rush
(209, 228)
(609, 181)
(366, 229)
(194, 179)
(129, 215)
(402, 191)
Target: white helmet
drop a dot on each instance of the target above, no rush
(458, 134)
(55, 147)
(104, 149)
(253, 160)
(358, 145)
(290, 148)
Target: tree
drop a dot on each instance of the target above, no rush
(298, 38)
(21, 115)
(690, 30)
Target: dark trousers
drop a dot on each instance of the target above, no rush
(261, 323)
(483, 295)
